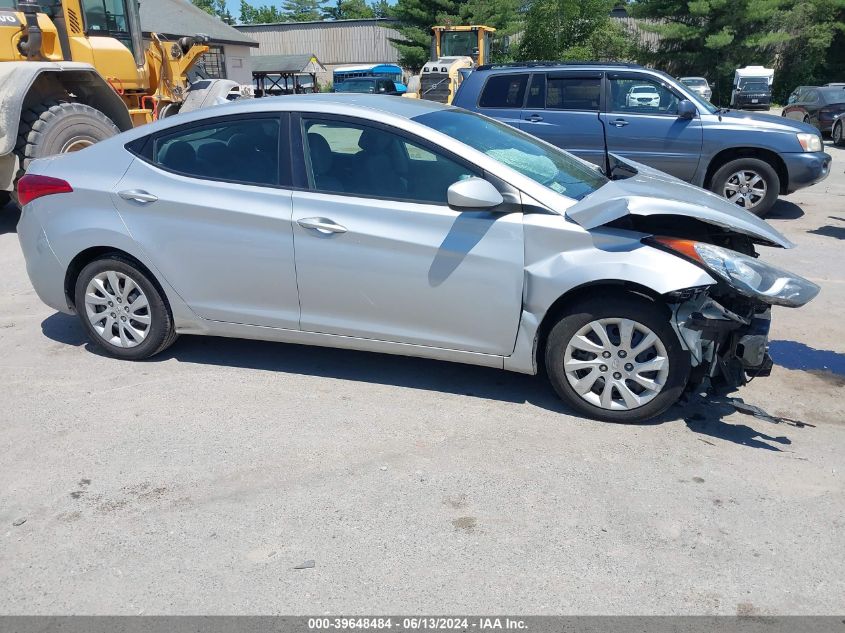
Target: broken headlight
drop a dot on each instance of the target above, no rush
(746, 275)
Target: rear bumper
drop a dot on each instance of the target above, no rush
(805, 168)
(43, 267)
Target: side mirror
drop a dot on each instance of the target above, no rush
(473, 194)
(686, 109)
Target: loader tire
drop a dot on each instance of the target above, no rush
(58, 127)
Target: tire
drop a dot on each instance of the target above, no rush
(5, 196)
(728, 174)
(645, 315)
(57, 127)
(838, 133)
(150, 332)
(806, 119)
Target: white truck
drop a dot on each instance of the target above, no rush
(752, 87)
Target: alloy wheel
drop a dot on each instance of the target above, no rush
(118, 309)
(617, 364)
(745, 188)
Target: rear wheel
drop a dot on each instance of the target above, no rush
(122, 310)
(838, 133)
(750, 183)
(59, 127)
(617, 359)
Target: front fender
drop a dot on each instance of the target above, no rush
(561, 257)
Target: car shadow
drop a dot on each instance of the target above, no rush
(784, 210)
(9, 216)
(701, 416)
(708, 421)
(828, 230)
(327, 362)
(822, 363)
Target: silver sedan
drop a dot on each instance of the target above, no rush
(406, 227)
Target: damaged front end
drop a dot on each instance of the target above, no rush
(727, 338)
(725, 327)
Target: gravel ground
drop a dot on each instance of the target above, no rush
(196, 482)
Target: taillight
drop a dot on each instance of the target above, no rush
(33, 186)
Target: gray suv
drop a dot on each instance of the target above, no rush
(644, 115)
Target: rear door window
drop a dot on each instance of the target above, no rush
(235, 150)
(573, 93)
(504, 91)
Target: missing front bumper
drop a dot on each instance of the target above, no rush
(728, 346)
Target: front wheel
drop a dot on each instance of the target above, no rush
(838, 133)
(750, 183)
(617, 359)
(123, 311)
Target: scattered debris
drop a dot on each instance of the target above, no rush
(757, 412)
(309, 564)
(18, 522)
(382, 467)
(698, 480)
(706, 442)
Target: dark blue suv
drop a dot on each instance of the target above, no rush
(644, 115)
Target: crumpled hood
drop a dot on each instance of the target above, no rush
(653, 192)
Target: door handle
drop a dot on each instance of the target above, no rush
(619, 123)
(534, 118)
(321, 225)
(138, 195)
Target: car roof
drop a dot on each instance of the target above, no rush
(354, 104)
(702, 78)
(552, 65)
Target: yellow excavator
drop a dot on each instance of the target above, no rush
(74, 72)
(455, 50)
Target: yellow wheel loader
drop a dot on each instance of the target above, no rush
(74, 72)
(455, 50)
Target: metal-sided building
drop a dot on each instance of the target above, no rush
(334, 43)
(230, 50)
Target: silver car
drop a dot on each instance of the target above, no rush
(406, 227)
(698, 85)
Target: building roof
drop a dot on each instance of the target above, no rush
(178, 18)
(284, 64)
(322, 23)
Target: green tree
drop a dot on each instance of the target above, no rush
(302, 10)
(712, 38)
(217, 8)
(503, 15)
(567, 30)
(381, 9)
(261, 14)
(348, 10)
(416, 17)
